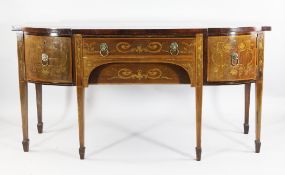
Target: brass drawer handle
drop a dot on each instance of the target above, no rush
(174, 48)
(45, 59)
(234, 59)
(104, 50)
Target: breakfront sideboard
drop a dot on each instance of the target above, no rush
(194, 56)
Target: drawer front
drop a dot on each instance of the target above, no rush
(48, 59)
(231, 58)
(132, 48)
(157, 73)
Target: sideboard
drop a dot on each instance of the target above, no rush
(195, 56)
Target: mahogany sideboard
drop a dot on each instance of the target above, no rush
(195, 56)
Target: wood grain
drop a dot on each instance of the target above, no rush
(199, 93)
(39, 107)
(144, 73)
(220, 67)
(58, 69)
(259, 89)
(144, 48)
(23, 87)
(77, 41)
(59, 31)
(80, 101)
(246, 107)
(139, 51)
(143, 56)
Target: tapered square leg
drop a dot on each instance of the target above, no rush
(39, 107)
(24, 111)
(198, 121)
(258, 102)
(80, 102)
(246, 109)
(23, 87)
(258, 90)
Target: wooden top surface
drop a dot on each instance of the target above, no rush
(100, 28)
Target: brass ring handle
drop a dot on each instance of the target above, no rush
(174, 48)
(45, 59)
(104, 50)
(234, 59)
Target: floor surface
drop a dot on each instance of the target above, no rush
(130, 134)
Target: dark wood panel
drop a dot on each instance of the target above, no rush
(236, 31)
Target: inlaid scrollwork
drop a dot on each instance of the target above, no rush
(139, 46)
(132, 50)
(48, 58)
(152, 74)
(90, 65)
(220, 58)
(151, 47)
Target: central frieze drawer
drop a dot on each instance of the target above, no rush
(170, 48)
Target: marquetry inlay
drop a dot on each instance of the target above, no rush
(220, 59)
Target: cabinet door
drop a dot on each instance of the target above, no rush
(231, 58)
(48, 59)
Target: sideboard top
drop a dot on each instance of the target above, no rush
(124, 30)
